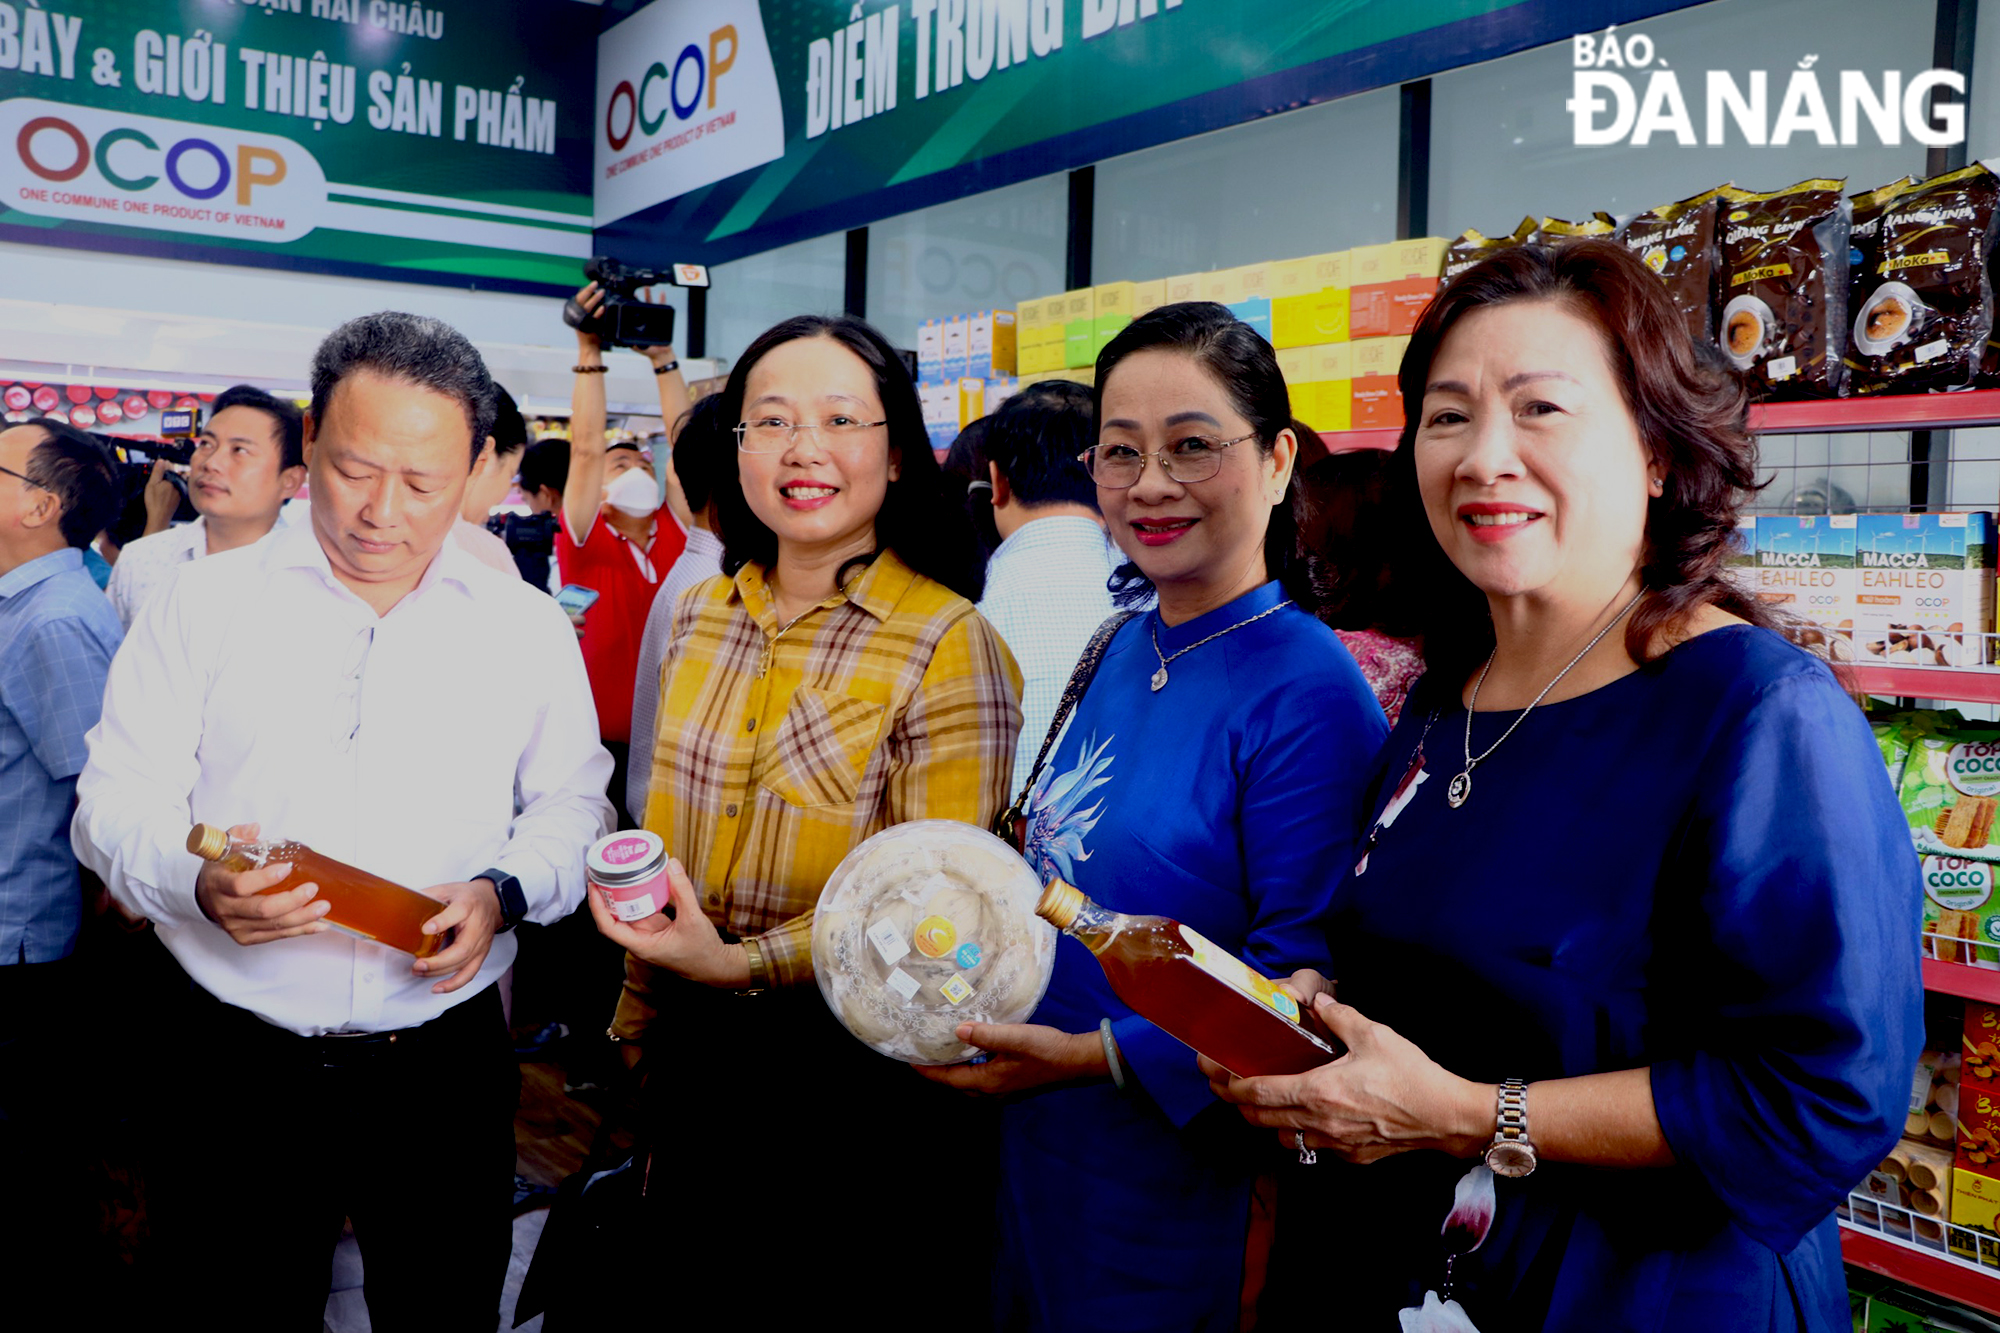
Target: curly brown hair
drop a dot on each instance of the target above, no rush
(1692, 413)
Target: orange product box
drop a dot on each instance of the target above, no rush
(1376, 396)
(1389, 309)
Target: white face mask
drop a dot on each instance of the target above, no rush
(635, 493)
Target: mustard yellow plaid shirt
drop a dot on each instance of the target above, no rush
(779, 748)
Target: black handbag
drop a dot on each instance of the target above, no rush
(1007, 824)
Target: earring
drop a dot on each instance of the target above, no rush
(1656, 486)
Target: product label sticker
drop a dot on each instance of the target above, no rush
(1782, 368)
(968, 956)
(1931, 351)
(936, 936)
(904, 984)
(888, 942)
(1226, 967)
(956, 990)
(634, 909)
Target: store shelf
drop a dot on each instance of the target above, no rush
(1924, 1269)
(1967, 685)
(1912, 411)
(1968, 983)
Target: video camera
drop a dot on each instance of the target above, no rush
(625, 320)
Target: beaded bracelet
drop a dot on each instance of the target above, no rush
(591, 370)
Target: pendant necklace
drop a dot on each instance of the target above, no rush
(1460, 789)
(1160, 676)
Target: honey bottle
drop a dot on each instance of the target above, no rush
(1190, 989)
(362, 904)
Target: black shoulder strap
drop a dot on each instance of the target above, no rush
(1079, 681)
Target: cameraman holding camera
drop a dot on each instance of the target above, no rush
(247, 460)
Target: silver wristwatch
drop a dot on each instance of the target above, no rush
(1511, 1154)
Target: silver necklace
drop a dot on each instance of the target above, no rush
(1160, 676)
(1460, 789)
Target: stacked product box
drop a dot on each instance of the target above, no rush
(954, 347)
(1806, 568)
(1377, 399)
(1740, 566)
(1079, 320)
(1924, 588)
(1113, 304)
(1975, 1176)
(1039, 330)
(1186, 287)
(1251, 288)
(990, 344)
(966, 364)
(1319, 380)
(1392, 285)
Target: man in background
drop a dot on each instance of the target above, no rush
(532, 537)
(492, 477)
(58, 488)
(1046, 584)
(247, 461)
(699, 464)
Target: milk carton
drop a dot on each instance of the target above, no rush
(1805, 568)
(1924, 588)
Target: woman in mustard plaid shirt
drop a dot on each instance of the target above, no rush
(834, 681)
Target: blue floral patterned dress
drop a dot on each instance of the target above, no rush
(1228, 801)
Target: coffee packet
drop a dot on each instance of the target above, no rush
(1472, 247)
(1552, 230)
(1677, 241)
(1923, 295)
(1783, 320)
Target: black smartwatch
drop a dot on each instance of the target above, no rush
(513, 902)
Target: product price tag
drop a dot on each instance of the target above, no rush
(904, 984)
(888, 942)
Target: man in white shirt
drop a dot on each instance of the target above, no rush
(336, 686)
(1046, 583)
(697, 464)
(246, 461)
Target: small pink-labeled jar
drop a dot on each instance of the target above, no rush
(631, 869)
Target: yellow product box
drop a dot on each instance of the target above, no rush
(971, 400)
(1395, 261)
(1330, 372)
(1331, 280)
(1293, 295)
(1187, 287)
(1377, 356)
(1114, 312)
(1079, 326)
(1295, 364)
(1149, 295)
(990, 344)
(1254, 281)
(1975, 1204)
(1029, 319)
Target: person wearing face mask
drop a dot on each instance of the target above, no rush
(1205, 775)
(248, 459)
(835, 680)
(618, 536)
(1626, 960)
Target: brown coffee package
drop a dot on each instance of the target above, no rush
(1472, 247)
(1923, 295)
(1783, 320)
(1677, 241)
(1552, 230)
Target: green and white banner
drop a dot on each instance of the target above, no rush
(432, 142)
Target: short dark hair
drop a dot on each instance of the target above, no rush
(1246, 367)
(698, 451)
(416, 350)
(81, 474)
(929, 535)
(284, 414)
(1692, 414)
(510, 428)
(1353, 531)
(1034, 440)
(545, 463)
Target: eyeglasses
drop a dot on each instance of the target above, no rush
(770, 435)
(1189, 459)
(25, 481)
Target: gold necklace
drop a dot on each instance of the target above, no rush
(1160, 676)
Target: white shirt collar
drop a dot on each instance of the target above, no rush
(299, 548)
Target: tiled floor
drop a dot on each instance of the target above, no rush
(347, 1313)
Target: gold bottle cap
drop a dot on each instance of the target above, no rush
(208, 842)
(1060, 903)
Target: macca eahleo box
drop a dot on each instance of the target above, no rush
(1805, 568)
(1924, 588)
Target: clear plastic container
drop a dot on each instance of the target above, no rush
(925, 926)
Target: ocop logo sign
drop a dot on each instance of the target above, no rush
(1974, 768)
(87, 165)
(1957, 884)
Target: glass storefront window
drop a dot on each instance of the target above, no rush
(985, 252)
(1503, 144)
(747, 296)
(1308, 181)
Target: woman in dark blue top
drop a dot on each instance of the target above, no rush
(1628, 848)
(1213, 773)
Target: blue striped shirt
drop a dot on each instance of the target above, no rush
(57, 635)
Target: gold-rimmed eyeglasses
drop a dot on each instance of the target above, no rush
(771, 434)
(1191, 458)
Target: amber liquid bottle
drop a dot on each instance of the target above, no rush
(362, 904)
(1189, 988)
